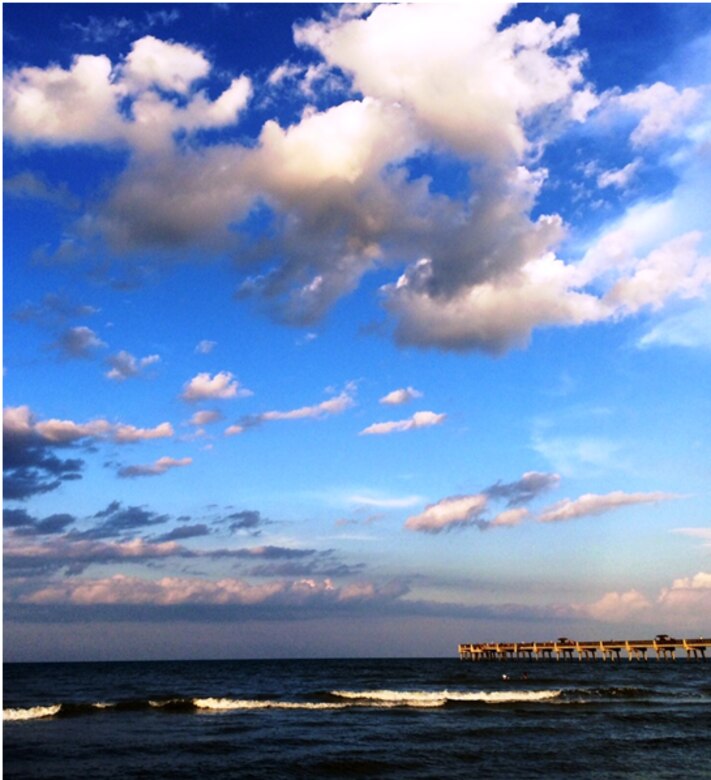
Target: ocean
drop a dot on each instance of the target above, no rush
(385, 718)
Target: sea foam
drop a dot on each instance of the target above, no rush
(254, 704)
(31, 713)
(440, 698)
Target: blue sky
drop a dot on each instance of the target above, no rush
(354, 330)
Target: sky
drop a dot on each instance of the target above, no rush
(357, 330)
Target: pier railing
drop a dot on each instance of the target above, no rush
(663, 646)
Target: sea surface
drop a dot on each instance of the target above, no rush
(414, 718)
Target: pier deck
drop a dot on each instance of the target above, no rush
(663, 646)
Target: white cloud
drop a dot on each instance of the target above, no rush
(129, 433)
(335, 405)
(454, 512)
(546, 291)
(663, 109)
(205, 386)
(474, 85)
(675, 268)
(20, 420)
(592, 504)
(400, 396)
(688, 595)
(418, 420)
(618, 607)
(160, 466)
(81, 104)
(63, 106)
(170, 66)
(480, 272)
(686, 601)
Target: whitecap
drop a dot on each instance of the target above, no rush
(31, 713)
(440, 698)
(255, 704)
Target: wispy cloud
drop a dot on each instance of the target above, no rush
(29, 185)
(591, 504)
(704, 534)
(418, 420)
(205, 346)
(332, 406)
(384, 502)
(580, 455)
(160, 466)
(691, 330)
(335, 405)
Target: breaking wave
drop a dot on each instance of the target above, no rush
(338, 700)
(255, 704)
(441, 698)
(31, 713)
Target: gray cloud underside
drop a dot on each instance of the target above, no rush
(53, 310)
(523, 490)
(31, 468)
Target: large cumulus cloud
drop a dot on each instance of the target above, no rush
(307, 209)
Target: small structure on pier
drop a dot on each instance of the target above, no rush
(664, 646)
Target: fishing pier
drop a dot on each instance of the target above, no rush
(664, 647)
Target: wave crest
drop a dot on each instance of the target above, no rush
(31, 713)
(254, 704)
(440, 698)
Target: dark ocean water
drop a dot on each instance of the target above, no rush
(417, 718)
